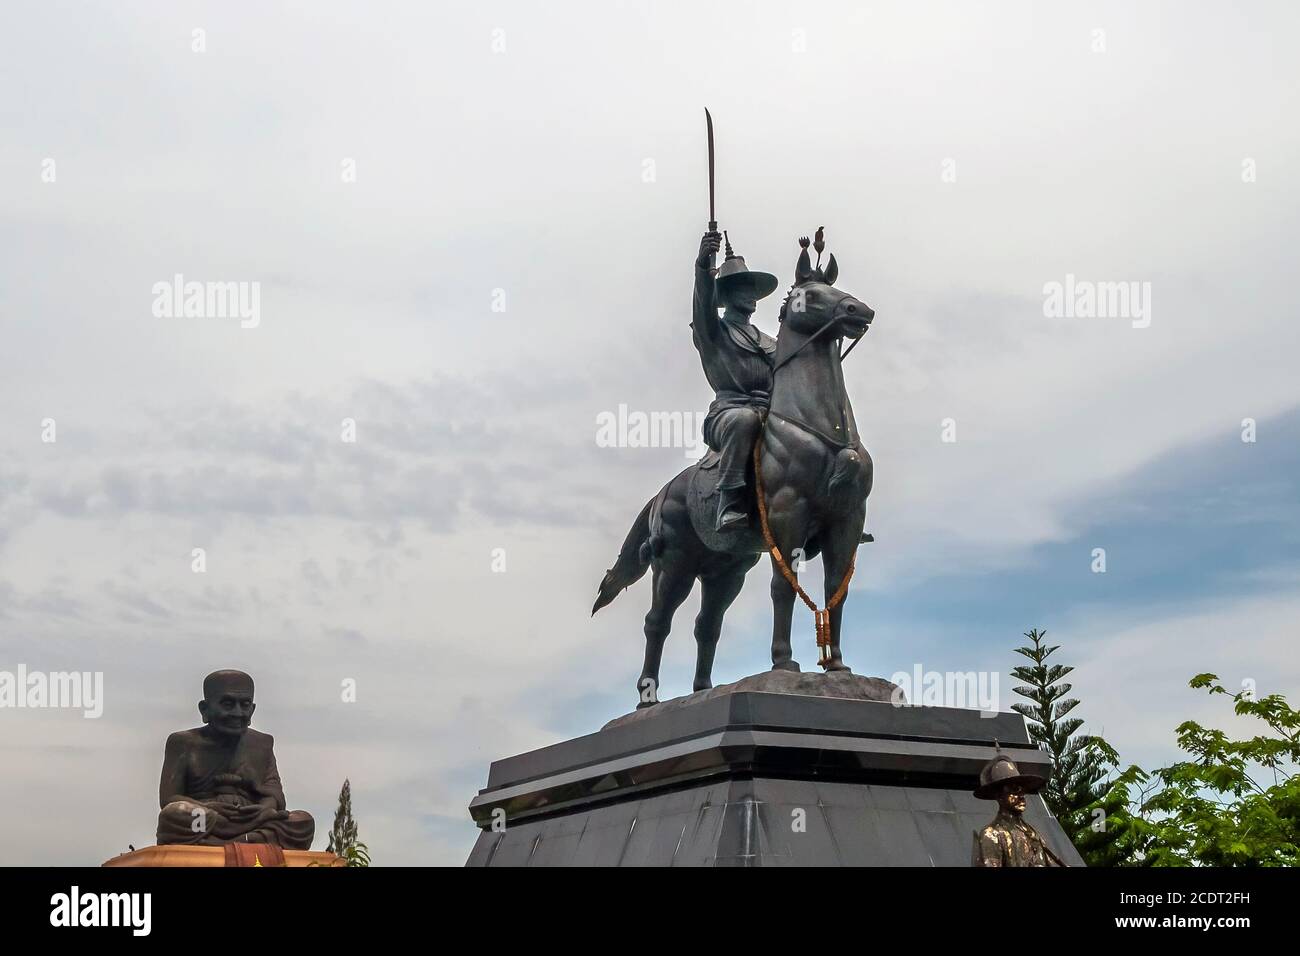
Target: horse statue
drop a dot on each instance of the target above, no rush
(811, 478)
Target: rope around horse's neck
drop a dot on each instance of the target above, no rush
(821, 618)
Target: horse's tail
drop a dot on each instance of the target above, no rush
(633, 559)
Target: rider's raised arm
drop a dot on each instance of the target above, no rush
(704, 314)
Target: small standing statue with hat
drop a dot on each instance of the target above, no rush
(1009, 840)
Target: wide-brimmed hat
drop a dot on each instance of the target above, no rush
(735, 274)
(1002, 770)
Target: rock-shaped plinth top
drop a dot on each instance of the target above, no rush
(841, 684)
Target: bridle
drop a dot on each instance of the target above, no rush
(808, 341)
(829, 440)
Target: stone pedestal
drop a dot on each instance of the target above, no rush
(205, 856)
(781, 769)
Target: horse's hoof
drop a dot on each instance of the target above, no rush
(699, 687)
(839, 666)
(646, 703)
(792, 666)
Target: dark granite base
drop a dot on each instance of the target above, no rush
(748, 778)
(838, 684)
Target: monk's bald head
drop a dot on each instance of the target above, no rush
(219, 682)
(227, 705)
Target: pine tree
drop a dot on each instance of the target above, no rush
(1078, 795)
(343, 835)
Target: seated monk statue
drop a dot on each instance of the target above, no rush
(219, 781)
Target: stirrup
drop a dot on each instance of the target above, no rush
(741, 520)
(734, 506)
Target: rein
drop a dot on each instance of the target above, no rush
(845, 353)
(821, 618)
(837, 443)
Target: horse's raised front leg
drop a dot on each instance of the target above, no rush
(840, 545)
(719, 591)
(672, 585)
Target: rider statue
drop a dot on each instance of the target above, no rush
(1009, 840)
(737, 360)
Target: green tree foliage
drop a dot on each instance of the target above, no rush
(1078, 794)
(1231, 803)
(343, 834)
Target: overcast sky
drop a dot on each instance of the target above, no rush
(472, 226)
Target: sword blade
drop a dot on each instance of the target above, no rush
(713, 219)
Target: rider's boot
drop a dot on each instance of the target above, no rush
(732, 514)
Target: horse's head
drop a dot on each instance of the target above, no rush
(813, 302)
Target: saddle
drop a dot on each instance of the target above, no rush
(702, 506)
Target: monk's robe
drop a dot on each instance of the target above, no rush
(235, 785)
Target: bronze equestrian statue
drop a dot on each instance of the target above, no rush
(781, 406)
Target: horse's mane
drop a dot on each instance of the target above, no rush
(780, 316)
(817, 276)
